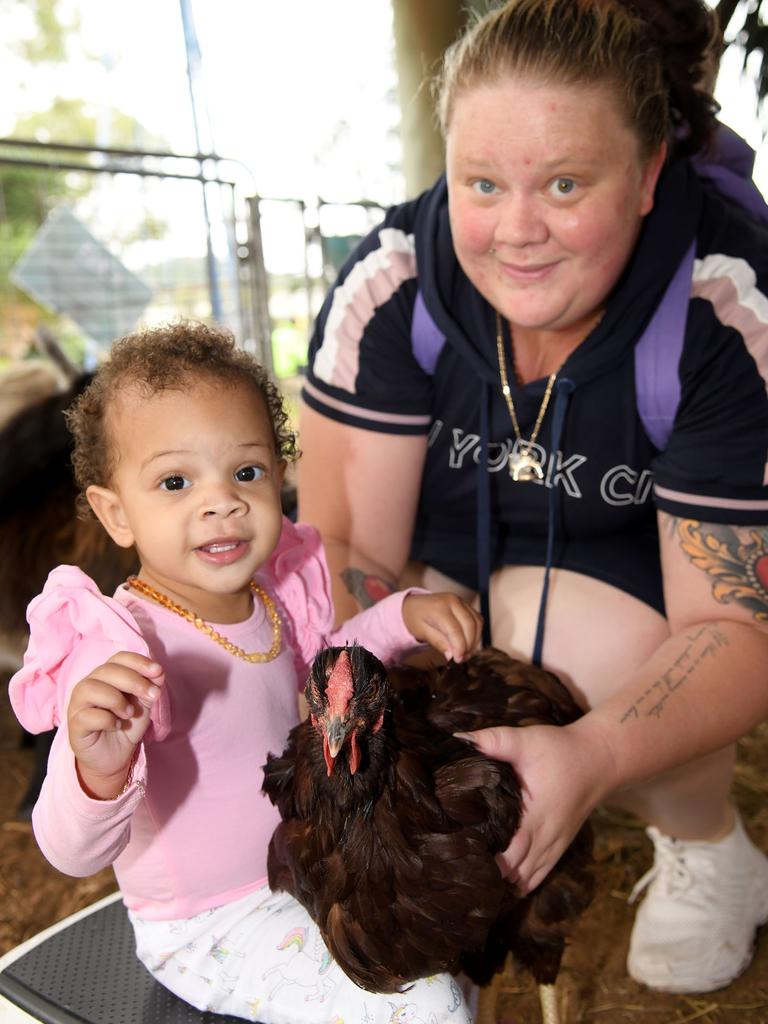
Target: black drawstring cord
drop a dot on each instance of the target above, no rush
(484, 517)
(564, 388)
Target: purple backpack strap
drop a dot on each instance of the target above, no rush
(657, 355)
(728, 166)
(427, 339)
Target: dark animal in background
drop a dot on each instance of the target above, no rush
(39, 529)
(391, 824)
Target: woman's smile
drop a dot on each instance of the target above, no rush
(527, 272)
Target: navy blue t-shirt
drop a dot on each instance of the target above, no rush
(611, 478)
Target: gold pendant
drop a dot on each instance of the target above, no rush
(524, 466)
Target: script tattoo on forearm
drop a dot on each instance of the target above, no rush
(366, 588)
(736, 560)
(701, 645)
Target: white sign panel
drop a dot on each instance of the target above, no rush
(69, 271)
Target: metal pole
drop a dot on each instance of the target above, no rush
(194, 62)
(259, 286)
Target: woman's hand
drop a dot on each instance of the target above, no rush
(564, 774)
(107, 717)
(444, 621)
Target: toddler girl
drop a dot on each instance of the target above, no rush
(169, 695)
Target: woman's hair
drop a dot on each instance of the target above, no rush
(169, 357)
(658, 54)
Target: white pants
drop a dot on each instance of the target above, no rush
(262, 958)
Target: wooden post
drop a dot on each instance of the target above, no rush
(423, 30)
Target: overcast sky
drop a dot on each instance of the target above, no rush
(296, 91)
(302, 93)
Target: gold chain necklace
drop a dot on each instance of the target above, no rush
(524, 464)
(202, 625)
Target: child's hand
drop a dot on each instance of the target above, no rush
(444, 621)
(107, 717)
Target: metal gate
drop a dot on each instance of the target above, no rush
(96, 241)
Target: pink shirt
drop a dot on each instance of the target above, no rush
(191, 831)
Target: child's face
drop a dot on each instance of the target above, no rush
(197, 489)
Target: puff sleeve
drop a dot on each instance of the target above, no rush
(298, 574)
(74, 628)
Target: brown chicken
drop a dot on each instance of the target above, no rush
(391, 824)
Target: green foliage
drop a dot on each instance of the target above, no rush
(25, 195)
(48, 39)
(79, 121)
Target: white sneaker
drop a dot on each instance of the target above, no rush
(695, 929)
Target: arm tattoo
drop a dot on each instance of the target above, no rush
(736, 562)
(366, 588)
(701, 645)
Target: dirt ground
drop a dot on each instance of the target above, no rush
(593, 985)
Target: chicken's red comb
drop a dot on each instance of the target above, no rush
(340, 685)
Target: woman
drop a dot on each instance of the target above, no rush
(511, 383)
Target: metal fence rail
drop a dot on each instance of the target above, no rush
(94, 241)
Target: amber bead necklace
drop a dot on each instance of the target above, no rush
(204, 627)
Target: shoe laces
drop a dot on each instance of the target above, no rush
(669, 866)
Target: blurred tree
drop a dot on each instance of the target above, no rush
(46, 33)
(48, 36)
(80, 121)
(48, 39)
(752, 36)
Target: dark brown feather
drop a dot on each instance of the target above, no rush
(396, 862)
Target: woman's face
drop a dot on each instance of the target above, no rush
(547, 191)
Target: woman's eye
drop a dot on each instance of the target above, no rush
(484, 187)
(249, 473)
(564, 186)
(177, 482)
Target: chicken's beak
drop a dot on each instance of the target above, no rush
(336, 732)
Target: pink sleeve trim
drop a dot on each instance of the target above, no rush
(74, 628)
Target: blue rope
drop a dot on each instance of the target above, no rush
(484, 518)
(564, 389)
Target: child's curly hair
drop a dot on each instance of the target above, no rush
(157, 359)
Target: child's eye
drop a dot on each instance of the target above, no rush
(563, 186)
(484, 187)
(249, 473)
(177, 482)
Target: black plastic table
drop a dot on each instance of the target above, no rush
(84, 971)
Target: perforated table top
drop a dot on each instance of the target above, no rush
(87, 973)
